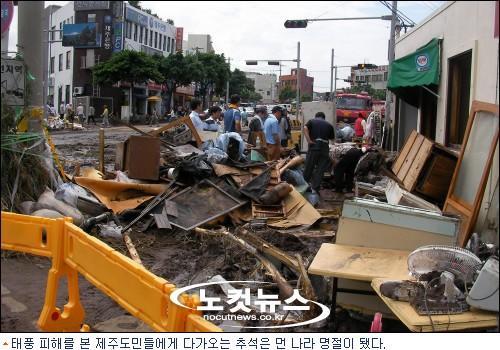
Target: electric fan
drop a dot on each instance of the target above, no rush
(443, 267)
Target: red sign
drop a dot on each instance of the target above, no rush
(178, 39)
(7, 14)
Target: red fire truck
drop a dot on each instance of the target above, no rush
(350, 105)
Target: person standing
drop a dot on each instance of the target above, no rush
(244, 116)
(343, 172)
(317, 132)
(61, 110)
(232, 116)
(257, 123)
(91, 115)
(105, 117)
(154, 118)
(212, 123)
(271, 131)
(284, 128)
(79, 113)
(195, 114)
(360, 125)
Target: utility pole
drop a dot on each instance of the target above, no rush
(297, 102)
(388, 96)
(331, 77)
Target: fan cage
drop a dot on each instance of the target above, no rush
(461, 262)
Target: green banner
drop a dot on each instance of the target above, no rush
(419, 68)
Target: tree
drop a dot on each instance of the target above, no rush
(287, 94)
(137, 5)
(130, 66)
(178, 70)
(305, 97)
(376, 94)
(241, 85)
(216, 73)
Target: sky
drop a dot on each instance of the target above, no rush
(254, 30)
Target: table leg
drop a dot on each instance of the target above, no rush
(334, 304)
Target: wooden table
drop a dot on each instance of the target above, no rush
(473, 319)
(357, 263)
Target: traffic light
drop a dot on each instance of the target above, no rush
(301, 23)
(251, 63)
(367, 66)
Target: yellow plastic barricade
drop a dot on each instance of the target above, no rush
(73, 251)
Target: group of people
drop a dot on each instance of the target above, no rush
(275, 128)
(69, 115)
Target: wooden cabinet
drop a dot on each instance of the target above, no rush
(425, 167)
(139, 157)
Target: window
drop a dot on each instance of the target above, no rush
(52, 33)
(385, 76)
(145, 36)
(60, 33)
(156, 40)
(140, 35)
(151, 37)
(160, 39)
(165, 38)
(60, 62)
(91, 18)
(168, 46)
(52, 64)
(68, 60)
(135, 32)
(128, 30)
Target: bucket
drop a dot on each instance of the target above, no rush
(172, 173)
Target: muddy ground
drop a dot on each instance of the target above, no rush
(181, 257)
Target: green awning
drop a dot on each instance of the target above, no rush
(420, 68)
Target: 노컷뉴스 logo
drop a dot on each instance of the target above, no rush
(243, 306)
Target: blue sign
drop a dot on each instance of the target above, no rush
(136, 17)
(80, 35)
(118, 37)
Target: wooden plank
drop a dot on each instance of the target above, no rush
(162, 221)
(404, 152)
(410, 158)
(170, 208)
(436, 178)
(418, 163)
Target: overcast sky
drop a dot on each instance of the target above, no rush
(254, 30)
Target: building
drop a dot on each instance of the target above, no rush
(457, 49)
(376, 77)
(266, 85)
(119, 26)
(306, 82)
(197, 43)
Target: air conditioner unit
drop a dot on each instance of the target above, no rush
(78, 90)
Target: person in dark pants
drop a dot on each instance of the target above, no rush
(343, 172)
(317, 132)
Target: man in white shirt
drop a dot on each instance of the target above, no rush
(195, 114)
(79, 112)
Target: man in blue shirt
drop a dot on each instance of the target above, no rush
(232, 116)
(317, 132)
(274, 148)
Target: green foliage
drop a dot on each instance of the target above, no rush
(376, 94)
(305, 97)
(241, 85)
(128, 65)
(287, 94)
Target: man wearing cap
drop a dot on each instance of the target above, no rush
(343, 173)
(274, 148)
(232, 116)
(317, 132)
(257, 123)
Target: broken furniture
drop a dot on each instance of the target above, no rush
(366, 223)
(472, 319)
(139, 157)
(473, 167)
(425, 167)
(357, 264)
(186, 120)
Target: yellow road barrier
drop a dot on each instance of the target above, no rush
(73, 251)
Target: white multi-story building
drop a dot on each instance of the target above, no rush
(119, 27)
(266, 85)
